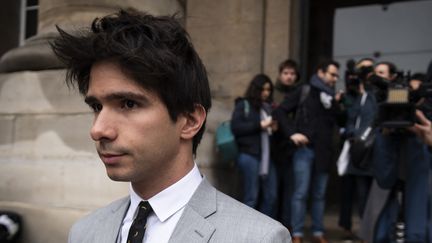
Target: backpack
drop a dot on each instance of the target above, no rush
(301, 109)
(226, 145)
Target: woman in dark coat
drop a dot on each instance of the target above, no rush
(252, 126)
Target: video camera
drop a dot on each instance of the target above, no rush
(397, 102)
(354, 76)
(396, 99)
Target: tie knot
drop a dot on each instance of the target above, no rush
(144, 209)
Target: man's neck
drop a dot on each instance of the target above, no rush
(149, 187)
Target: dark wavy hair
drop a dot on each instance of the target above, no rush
(253, 92)
(391, 66)
(324, 65)
(154, 51)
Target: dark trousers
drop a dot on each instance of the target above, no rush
(285, 185)
(354, 188)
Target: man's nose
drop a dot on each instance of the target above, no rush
(103, 127)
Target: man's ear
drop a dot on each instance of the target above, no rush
(321, 73)
(194, 121)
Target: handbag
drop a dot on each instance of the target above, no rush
(226, 145)
(362, 149)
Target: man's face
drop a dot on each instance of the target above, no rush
(288, 76)
(133, 132)
(383, 71)
(415, 84)
(331, 76)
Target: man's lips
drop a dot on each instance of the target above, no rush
(110, 159)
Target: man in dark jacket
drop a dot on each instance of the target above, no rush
(316, 108)
(282, 146)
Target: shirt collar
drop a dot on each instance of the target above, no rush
(173, 198)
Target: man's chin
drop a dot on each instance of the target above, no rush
(117, 177)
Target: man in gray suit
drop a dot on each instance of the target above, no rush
(150, 96)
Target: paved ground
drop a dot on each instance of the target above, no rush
(334, 233)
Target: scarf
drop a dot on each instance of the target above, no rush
(265, 141)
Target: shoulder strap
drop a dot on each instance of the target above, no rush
(305, 89)
(362, 102)
(363, 99)
(246, 107)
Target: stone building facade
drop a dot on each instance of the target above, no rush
(49, 171)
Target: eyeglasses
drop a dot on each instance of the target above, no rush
(334, 75)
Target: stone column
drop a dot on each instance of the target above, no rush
(236, 40)
(277, 35)
(228, 37)
(70, 15)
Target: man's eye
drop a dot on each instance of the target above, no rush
(96, 107)
(129, 104)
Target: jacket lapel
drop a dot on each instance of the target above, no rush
(110, 227)
(193, 225)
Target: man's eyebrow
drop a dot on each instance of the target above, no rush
(90, 100)
(116, 96)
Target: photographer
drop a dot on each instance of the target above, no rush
(361, 109)
(401, 166)
(386, 70)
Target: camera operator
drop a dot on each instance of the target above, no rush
(400, 164)
(423, 129)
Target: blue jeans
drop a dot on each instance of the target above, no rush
(253, 184)
(303, 167)
(416, 172)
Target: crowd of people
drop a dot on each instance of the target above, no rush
(289, 137)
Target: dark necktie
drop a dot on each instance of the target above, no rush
(138, 227)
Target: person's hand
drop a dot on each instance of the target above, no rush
(338, 95)
(266, 123)
(274, 126)
(299, 139)
(423, 129)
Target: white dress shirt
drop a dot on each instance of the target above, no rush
(168, 205)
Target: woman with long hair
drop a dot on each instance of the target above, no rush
(253, 126)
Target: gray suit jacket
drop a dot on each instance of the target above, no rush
(210, 216)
